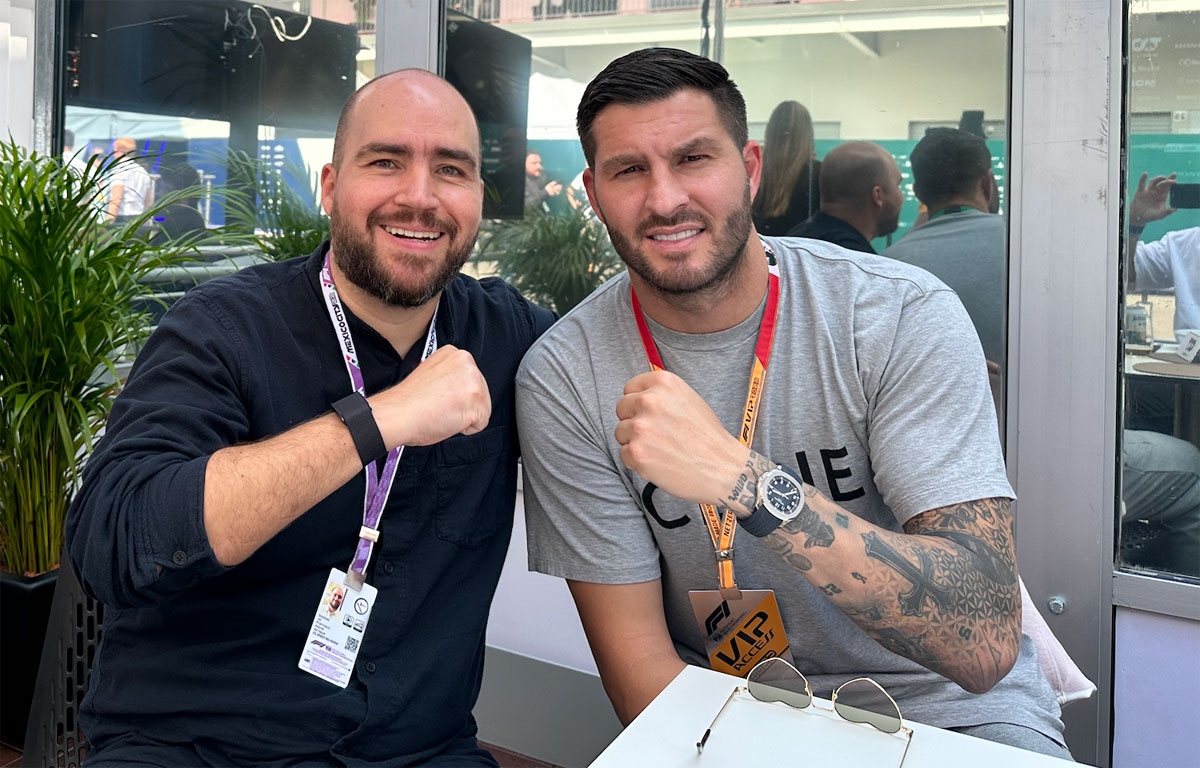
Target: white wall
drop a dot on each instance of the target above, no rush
(918, 76)
(1156, 691)
(16, 69)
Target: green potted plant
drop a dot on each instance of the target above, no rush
(262, 201)
(553, 259)
(69, 281)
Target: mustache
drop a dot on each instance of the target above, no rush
(412, 216)
(682, 217)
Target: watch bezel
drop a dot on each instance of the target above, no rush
(764, 498)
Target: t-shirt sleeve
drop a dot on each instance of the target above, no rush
(582, 520)
(1152, 266)
(932, 419)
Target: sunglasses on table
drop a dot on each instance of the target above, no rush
(861, 700)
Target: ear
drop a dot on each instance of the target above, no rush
(752, 157)
(589, 186)
(877, 196)
(328, 177)
(987, 187)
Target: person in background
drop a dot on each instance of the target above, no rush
(131, 190)
(69, 155)
(228, 496)
(181, 217)
(962, 244)
(1173, 261)
(789, 192)
(860, 197)
(538, 188)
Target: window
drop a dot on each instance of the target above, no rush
(1159, 510)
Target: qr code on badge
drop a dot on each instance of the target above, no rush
(352, 644)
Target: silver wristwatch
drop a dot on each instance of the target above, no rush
(780, 499)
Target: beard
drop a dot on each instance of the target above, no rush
(728, 248)
(356, 256)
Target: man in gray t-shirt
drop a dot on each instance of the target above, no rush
(899, 563)
(963, 242)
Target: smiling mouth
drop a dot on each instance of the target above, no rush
(409, 234)
(674, 236)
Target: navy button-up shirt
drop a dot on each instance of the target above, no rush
(198, 663)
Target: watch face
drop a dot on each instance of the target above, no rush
(783, 494)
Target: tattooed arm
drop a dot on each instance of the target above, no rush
(943, 593)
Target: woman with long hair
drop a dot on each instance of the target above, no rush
(788, 193)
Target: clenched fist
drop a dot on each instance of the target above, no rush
(446, 395)
(672, 438)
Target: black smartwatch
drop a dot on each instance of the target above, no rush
(780, 499)
(355, 413)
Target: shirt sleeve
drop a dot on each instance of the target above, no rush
(933, 433)
(582, 520)
(135, 531)
(1152, 266)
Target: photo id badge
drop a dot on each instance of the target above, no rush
(739, 633)
(337, 630)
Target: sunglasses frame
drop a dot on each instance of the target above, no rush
(903, 729)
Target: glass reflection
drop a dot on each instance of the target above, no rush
(1160, 499)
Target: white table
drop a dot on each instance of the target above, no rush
(754, 733)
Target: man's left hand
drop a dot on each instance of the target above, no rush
(672, 438)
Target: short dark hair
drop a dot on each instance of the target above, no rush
(654, 74)
(948, 163)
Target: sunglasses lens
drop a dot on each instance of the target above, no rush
(776, 680)
(863, 701)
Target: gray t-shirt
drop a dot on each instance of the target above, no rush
(966, 251)
(876, 390)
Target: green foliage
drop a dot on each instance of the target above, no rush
(67, 284)
(261, 201)
(554, 260)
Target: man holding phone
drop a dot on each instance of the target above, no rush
(1172, 262)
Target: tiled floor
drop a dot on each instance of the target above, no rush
(10, 757)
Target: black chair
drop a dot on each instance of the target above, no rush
(52, 738)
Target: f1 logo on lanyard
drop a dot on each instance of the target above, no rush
(740, 627)
(336, 634)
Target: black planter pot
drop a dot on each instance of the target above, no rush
(24, 612)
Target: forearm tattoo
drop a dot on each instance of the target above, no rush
(943, 594)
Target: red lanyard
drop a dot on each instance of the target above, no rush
(722, 530)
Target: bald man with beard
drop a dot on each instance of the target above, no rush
(256, 461)
(860, 197)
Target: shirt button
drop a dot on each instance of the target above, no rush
(388, 567)
(371, 667)
(179, 558)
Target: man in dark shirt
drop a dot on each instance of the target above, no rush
(860, 197)
(224, 508)
(538, 188)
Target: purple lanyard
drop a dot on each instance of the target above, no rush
(379, 485)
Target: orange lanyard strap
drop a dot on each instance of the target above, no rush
(722, 530)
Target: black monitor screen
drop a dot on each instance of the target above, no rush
(212, 59)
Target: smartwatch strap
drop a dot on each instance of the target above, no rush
(355, 412)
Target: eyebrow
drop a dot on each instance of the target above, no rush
(404, 150)
(699, 144)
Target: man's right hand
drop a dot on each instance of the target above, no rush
(446, 395)
(1150, 200)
